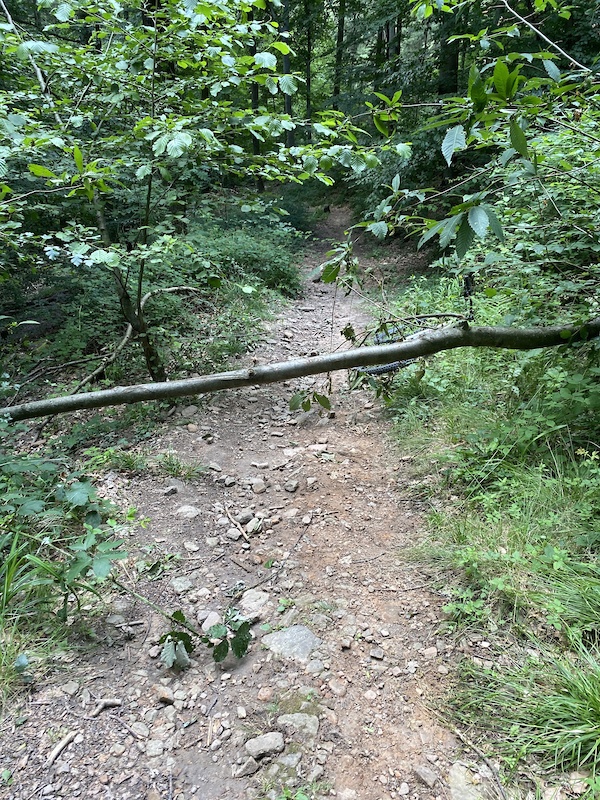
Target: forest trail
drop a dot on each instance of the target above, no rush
(346, 660)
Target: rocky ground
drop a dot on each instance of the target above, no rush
(300, 522)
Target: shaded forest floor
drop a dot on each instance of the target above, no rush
(300, 521)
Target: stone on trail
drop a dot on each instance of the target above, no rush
(253, 604)
(188, 512)
(266, 743)
(297, 642)
(212, 619)
(291, 485)
(181, 584)
(249, 767)
(425, 775)
(462, 785)
(307, 725)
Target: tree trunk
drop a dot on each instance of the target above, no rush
(287, 98)
(428, 343)
(308, 72)
(339, 54)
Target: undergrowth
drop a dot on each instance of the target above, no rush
(514, 529)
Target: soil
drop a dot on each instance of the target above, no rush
(312, 511)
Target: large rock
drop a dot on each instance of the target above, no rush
(264, 745)
(254, 604)
(462, 787)
(306, 725)
(297, 642)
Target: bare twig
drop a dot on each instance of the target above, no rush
(64, 742)
(108, 702)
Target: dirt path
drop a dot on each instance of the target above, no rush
(335, 689)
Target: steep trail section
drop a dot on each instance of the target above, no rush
(300, 522)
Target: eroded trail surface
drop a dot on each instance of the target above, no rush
(300, 522)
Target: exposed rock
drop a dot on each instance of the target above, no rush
(164, 694)
(181, 583)
(260, 746)
(297, 642)
(291, 486)
(259, 487)
(70, 688)
(307, 725)
(188, 512)
(155, 747)
(425, 775)
(377, 653)
(462, 785)
(249, 767)
(253, 604)
(212, 619)
(338, 687)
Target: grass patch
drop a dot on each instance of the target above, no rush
(514, 530)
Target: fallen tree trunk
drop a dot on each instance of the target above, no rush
(426, 344)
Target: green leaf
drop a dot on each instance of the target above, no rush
(552, 70)
(101, 566)
(331, 272)
(64, 12)
(41, 171)
(266, 60)
(179, 616)
(495, 224)
(381, 126)
(25, 49)
(218, 631)
(455, 139)
(296, 401)
(241, 640)
(221, 650)
(80, 493)
(464, 238)
(518, 139)
(182, 660)
(288, 84)
(322, 400)
(449, 230)
(78, 158)
(179, 144)
(282, 47)
(306, 404)
(478, 220)
(501, 78)
(378, 229)
(433, 231)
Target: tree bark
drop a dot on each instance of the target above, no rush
(339, 54)
(428, 343)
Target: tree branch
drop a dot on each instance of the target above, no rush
(426, 344)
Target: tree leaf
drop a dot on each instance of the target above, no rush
(179, 144)
(378, 229)
(501, 78)
(322, 400)
(479, 220)
(78, 158)
(551, 68)
(455, 139)
(41, 171)
(495, 225)
(266, 60)
(464, 238)
(282, 47)
(288, 84)
(518, 139)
